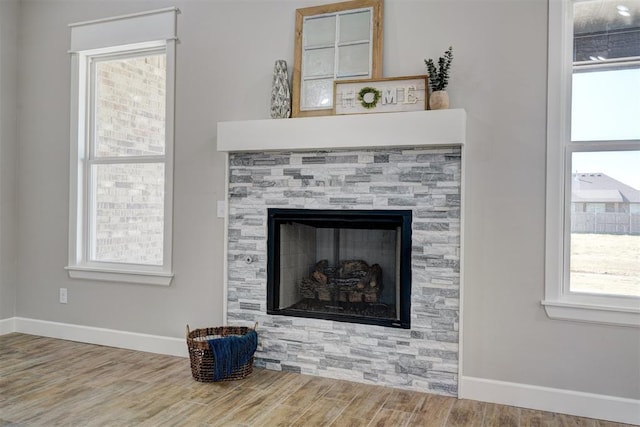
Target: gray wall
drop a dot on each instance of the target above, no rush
(8, 144)
(225, 61)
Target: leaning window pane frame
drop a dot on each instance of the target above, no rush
(559, 301)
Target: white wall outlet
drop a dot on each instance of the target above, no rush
(63, 295)
(221, 208)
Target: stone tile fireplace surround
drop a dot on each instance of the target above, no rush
(378, 161)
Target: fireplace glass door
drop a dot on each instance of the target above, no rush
(352, 266)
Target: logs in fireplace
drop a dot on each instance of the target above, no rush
(353, 288)
(352, 281)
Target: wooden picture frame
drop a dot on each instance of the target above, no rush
(318, 60)
(387, 95)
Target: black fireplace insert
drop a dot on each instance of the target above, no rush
(344, 265)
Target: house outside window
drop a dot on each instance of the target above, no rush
(123, 79)
(593, 159)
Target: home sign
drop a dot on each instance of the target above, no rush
(387, 95)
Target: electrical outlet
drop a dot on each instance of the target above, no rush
(63, 295)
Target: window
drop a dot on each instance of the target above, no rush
(593, 162)
(123, 72)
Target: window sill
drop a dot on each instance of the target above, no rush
(592, 313)
(128, 276)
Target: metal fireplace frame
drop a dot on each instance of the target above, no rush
(333, 218)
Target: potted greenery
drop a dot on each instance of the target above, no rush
(439, 79)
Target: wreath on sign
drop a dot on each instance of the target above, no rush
(369, 97)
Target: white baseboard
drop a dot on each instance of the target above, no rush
(101, 336)
(7, 325)
(570, 402)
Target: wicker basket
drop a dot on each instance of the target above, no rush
(201, 356)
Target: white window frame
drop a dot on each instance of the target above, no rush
(140, 33)
(558, 301)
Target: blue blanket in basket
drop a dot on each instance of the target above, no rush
(230, 353)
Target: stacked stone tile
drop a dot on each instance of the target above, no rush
(427, 181)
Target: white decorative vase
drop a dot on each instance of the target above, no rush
(280, 92)
(439, 100)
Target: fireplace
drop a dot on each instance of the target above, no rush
(344, 265)
(366, 162)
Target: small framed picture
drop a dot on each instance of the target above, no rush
(386, 95)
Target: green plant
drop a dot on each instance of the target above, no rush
(439, 77)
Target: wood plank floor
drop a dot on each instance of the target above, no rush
(51, 382)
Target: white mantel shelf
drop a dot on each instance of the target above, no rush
(408, 129)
